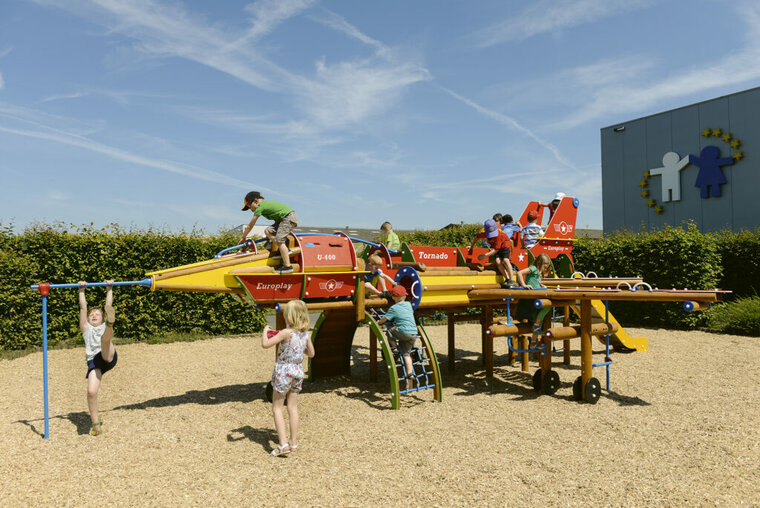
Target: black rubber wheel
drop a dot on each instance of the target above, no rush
(577, 394)
(593, 390)
(551, 382)
(537, 381)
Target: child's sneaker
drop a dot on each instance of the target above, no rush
(285, 269)
(537, 333)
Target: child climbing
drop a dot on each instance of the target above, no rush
(97, 330)
(287, 379)
(404, 329)
(501, 249)
(388, 237)
(285, 219)
(376, 276)
(530, 278)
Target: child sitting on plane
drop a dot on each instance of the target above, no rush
(509, 226)
(404, 329)
(388, 237)
(501, 249)
(532, 231)
(376, 276)
(530, 278)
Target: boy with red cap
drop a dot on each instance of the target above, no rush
(284, 218)
(404, 329)
(532, 231)
(501, 248)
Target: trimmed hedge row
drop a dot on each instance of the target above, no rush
(59, 254)
(669, 258)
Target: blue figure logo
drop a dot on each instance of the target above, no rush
(710, 176)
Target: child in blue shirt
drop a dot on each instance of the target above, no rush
(404, 329)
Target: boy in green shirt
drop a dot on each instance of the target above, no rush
(284, 218)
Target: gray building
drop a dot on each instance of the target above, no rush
(699, 162)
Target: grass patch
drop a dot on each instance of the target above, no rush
(740, 317)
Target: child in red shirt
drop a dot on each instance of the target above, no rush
(501, 248)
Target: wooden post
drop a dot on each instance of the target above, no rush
(586, 356)
(487, 340)
(360, 311)
(452, 341)
(566, 344)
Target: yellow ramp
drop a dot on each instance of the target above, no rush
(621, 337)
(213, 275)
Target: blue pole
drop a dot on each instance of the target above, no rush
(44, 365)
(145, 282)
(607, 342)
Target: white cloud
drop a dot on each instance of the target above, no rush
(267, 15)
(339, 23)
(338, 95)
(50, 133)
(547, 16)
(513, 124)
(612, 99)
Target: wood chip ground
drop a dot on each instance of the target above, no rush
(186, 424)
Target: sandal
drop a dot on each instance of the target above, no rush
(97, 431)
(280, 450)
(293, 447)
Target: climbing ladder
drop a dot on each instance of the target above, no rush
(427, 374)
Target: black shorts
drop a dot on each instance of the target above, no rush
(503, 254)
(99, 363)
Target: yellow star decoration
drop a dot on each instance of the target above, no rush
(658, 209)
(738, 155)
(643, 183)
(727, 137)
(717, 132)
(706, 133)
(645, 193)
(651, 203)
(646, 174)
(736, 144)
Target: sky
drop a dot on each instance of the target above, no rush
(164, 113)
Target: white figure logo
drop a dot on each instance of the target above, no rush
(671, 175)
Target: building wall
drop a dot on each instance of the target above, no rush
(631, 148)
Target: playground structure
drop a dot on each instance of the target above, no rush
(329, 276)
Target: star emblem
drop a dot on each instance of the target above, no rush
(331, 285)
(717, 132)
(651, 203)
(726, 137)
(646, 174)
(737, 156)
(645, 193)
(643, 183)
(736, 144)
(563, 228)
(521, 256)
(658, 209)
(706, 133)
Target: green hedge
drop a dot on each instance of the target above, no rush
(739, 317)
(669, 258)
(740, 254)
(60, 254)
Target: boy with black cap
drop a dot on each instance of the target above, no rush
(284, 218)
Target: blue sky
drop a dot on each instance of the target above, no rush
(158, 113)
